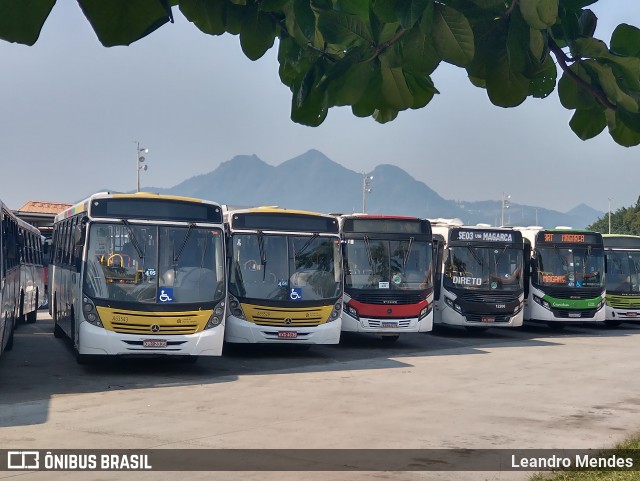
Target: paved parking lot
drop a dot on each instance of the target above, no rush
(523, 388)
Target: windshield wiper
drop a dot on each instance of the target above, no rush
(263, 255)
(184, 243)
(475, 255)
(369, 254)
(407, 254)
(306, 245)
(134, 239)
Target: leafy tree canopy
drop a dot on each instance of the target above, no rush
(625, 220)
(377, 56)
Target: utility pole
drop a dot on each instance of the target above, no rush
(505, 205)
(140, 165)
(366, 188)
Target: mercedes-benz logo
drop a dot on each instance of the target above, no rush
(155, 328)
(288, 321)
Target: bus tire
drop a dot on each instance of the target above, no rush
(33, 315)
(21, 316)
(58, 333)
(611, 323)
(10, 341)
(390, 339)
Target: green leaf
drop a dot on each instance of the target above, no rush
(505, 87)
(421, 88)
(122, 22)
(235, 18)
(271, 5)
(386, 10)
(348, 89)
(537, 44)
(309, 105)
(625, 40)
(344, 30)
(453, 36)
(590, 47)
(394, 88)
(544, 82)
(571, 95)
(209, 17)
(626, 132)
(257, 34)
(610, 86)
(539, 14)
(587, 123)
(305, 18)
(21, 20)
(353, 7)
(410, 11)
(384, 115)
(587, 23)
(418, 52)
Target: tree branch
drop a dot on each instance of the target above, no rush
(562, 61)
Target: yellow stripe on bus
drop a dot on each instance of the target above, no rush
(287, 317)
(126, 321)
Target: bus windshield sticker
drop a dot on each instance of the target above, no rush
(283, 283)
(494, 285)
(295, 294)
(396, 279)
(150, 272)
(166, 294)
(383, 285)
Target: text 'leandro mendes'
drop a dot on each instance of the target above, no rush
(577, 461)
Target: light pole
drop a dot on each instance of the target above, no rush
(505, 205)
(366, 188)
(610, 214)
(140, 165)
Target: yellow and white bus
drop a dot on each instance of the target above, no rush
(285, 277)
(140, 274)
(21, 274)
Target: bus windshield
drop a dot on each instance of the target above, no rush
(285, 267)
(388, 264)
(623, 271)
(154, 264)
(495, 268)
(570, 267)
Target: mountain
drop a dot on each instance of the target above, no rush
(312, 181)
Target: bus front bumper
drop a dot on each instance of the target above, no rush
(99, 341)
(244, 332)
(387, 326)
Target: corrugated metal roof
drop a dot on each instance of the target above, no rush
(38, 207)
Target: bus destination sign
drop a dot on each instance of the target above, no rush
(569, 238)
(492, 236)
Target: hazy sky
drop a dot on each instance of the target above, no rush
(71, 111)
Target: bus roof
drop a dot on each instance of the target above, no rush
(84, 205)
(621, 241)
(272, 218)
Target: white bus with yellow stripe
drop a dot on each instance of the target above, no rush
(285, 277)
(140, 274)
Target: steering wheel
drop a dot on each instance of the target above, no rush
(251, 265)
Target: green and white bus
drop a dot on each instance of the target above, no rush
(140, 274)
(623, 278)
(567, 282)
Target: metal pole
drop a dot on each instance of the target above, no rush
(138, 166)
(364, 193)
(502, 212)
(609, 215)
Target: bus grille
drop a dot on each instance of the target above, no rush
(487, 298)
(623, 302)
(389, 297)
(573, 295)
(147, 328)
(273, 316)
(574, 314)
(478, 318)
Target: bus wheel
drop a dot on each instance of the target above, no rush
(556, 325)
(476, 329)
(611, 323)
(390, 339)
(10, 341)
(33, 315)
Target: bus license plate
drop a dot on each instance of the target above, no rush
(574, 314)
(287, 334)
(154, 343)
(488, 319)
(389, 324)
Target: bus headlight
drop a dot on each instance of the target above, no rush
(335, 312)
(352, 311)
(601, 304)
(90, 312)
(424, 312)
(542, 302)
(216, 316)
(452, 304)
(235, 309)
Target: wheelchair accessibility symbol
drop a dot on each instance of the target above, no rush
(295, 294)
(166, 294)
